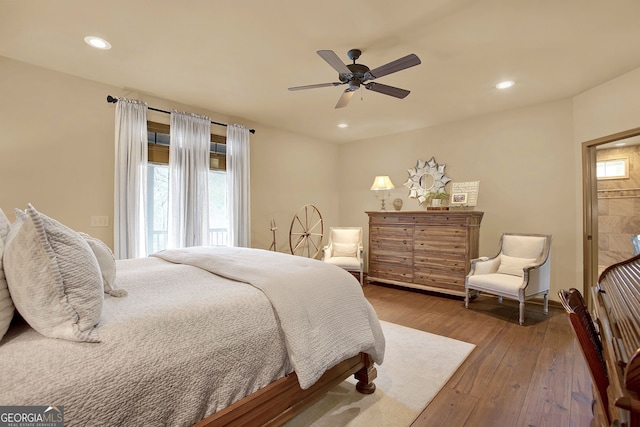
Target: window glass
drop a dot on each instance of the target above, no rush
(612, 169)
(158, 189)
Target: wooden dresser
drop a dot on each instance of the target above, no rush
(427, 250)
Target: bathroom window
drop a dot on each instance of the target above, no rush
(617, 168)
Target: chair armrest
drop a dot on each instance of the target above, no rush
(326, 252)
(484, 265)
(537, 277)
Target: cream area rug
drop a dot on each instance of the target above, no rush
(416, 366)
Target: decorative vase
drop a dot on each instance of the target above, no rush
(435, 203)
(397, 204)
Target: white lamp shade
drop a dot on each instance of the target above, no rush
(382, 182)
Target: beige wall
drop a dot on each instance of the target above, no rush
(606, 109)
(56, 146)
(523, 159)
(57, 152)
(609, 108)
(289, 171)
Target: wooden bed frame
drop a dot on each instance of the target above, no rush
(281, 400)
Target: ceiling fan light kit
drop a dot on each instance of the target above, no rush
(357, 75)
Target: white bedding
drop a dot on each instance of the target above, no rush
(320, 307)
(171, 355)
(163, 347)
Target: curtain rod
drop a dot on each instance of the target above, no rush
(112, 100)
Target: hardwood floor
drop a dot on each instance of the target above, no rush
(530, 375)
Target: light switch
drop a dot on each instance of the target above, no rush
(99, 221)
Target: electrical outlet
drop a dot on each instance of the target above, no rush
(99, 221)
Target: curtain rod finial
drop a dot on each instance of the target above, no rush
(111, 99)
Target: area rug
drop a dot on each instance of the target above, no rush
(416, 366)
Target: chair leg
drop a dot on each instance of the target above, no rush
(361, 282)
(466, 298)
(521, 320)
(546, 303)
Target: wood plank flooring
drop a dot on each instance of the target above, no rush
(530, 375)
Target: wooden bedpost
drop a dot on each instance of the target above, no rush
(366, 375)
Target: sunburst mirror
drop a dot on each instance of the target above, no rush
(426, 177)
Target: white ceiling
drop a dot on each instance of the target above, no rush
(238, 57)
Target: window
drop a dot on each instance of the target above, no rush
(613, 168)
(158, 189)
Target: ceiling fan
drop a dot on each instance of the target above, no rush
(358, 74)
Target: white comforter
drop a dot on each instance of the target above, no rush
(321, 308)
(186, 343)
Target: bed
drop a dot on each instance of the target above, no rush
(198, 336)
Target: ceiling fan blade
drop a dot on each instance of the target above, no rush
(333, 60)
(316, 85)
(410, 60)
(345, 98)
(387, 90)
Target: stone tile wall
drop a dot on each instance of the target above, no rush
(618, 208)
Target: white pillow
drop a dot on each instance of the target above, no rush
(54, 278)
(5, 225)
(514, 266)
(6, 305)
(345, 249)
(107, 263)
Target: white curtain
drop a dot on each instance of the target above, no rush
(189, 180)
(238, 186)
(129, 221)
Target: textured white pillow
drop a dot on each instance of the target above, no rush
(345, 249)
(5, 225)
(107, 263)
(54, 278)
(6, 305)
(514, 266)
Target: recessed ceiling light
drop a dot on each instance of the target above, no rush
(506, 84)
(343, 125)
(97, 42)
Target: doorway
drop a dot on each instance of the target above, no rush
(606, 202)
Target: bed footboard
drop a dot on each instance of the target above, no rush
(281, 400)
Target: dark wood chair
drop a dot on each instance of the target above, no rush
(590, 343)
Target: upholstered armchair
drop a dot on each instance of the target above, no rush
(345, 250)
(520, 270)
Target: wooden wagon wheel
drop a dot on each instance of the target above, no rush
(306, 232)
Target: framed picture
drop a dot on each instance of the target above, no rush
(464, 194)
(459, 198)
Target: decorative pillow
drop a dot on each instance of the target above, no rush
(54, 278)
(107, 263)
(514, 266)
(6, 305)
(20, 214)
(5, 225)
(345, 249)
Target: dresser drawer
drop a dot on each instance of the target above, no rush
(449, 246)
(383, 270)
(440, 263)
(441, 219)
(391, 218)
(391, 257)
(440, 232)
(438, 279)
(391, 231)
